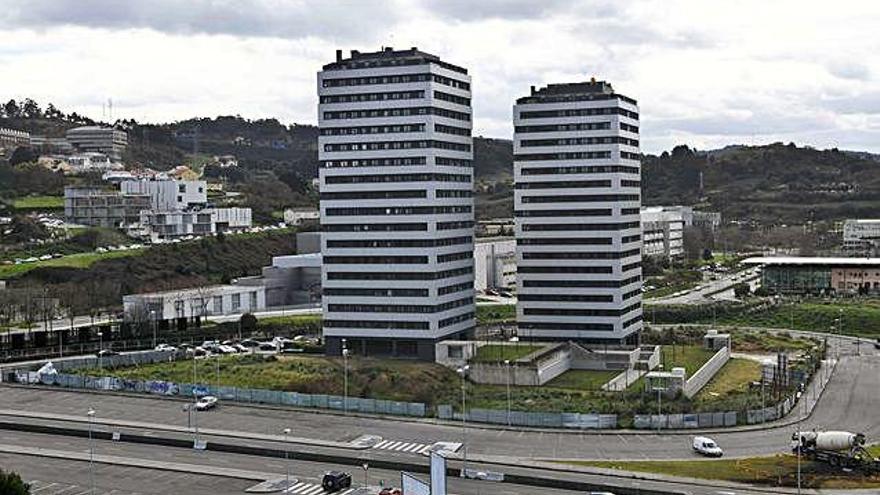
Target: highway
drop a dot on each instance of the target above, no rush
(710, 290)
(59, 465)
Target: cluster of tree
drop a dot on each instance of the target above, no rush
(12, 484)
(25, 178)
(30, 109)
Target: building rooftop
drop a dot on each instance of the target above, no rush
(577, 91)
(206, 291)
(806, 260)
(388, 57)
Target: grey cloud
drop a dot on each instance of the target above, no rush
(863, 103)
(475, 10)
(849, 70)
(758, 123)
(260, 18)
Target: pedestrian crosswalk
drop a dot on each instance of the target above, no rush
(47, 488)
(408, 447)
(303, 488)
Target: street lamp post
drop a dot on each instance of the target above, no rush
(153, 318)
(100, 349)
(507, 363)
(366, 467)
(463, 373)
(345, 352)
(91, 415)
(286, 461)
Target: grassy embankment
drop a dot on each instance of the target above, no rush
(860, 317)
(79, 260)
(38, 203)
(777, 470)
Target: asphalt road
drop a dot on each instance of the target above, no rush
(709, 290)
(850, 402)
(127, 480)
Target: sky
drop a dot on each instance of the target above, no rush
(705, 73)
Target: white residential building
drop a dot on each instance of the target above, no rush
(577, 198)
(396, 182)
(296, 216)
(662, 232)
(861, 236)
(169, 194)
(494, 264)
(171, 224)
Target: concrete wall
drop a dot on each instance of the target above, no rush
(601, 359)
(699, 379)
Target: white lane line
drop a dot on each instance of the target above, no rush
(403, 445)
(415, 447)
(382, 444)
(314, 490)
(50, 485)
(296, 487)
(391, 445)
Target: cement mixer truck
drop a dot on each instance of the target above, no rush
(837, 448)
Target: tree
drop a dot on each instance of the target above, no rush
(31, 109)
(23, 155)
(741, 290)
(11, 109)
(12, 484)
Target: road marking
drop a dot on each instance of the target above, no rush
(381, 444)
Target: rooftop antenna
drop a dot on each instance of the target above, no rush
(110, 108)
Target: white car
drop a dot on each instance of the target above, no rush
(227, 349)
(206, 402)
(166, 347)
(706, 446)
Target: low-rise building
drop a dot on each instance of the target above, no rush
(172, 224)
(169, 194)
(11, 139)
(816, 275)
(99, 207)
(297, 216)
(861, 236)
(494, 263)
(662, 232)
(107, 140)
(51, 145)
(194, 303)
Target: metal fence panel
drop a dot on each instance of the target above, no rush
(641, 421)
(675, 421)
(417, 409)
(705, 420)
(730, 418)
(444, 411)
(658, 421)
(717, 419)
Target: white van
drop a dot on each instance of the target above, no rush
(707, 446)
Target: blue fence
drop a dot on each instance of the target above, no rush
(233, 394)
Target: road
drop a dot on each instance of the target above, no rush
(117, 471)
(710, 290)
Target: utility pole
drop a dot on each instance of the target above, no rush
(463, 373)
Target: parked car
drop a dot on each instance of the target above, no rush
(206, 402)
(706, 446)
(336, 480)
(166, 347)
(106, 353)
(267, 346)
(226, 349)
(391, 491)
(249, 343)
(240, 348)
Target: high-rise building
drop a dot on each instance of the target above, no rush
(577, 199)
(396, 184)
(92, 138)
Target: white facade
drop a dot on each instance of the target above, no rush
(396, 184)
(295, 216)
(577, 198)
(170, 224)
(662, 232)
(191, 303)
(169, 194)
(861, 235)
(494, 264)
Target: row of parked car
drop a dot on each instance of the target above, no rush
(276, 344)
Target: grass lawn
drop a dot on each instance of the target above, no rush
(493, 353)
(496, 313)
(861, 317)
(733, 378)
(38, 203)
(763, 342)
(80, 260)
(778, 470)
(583, 379)
(689, 357)
(292, 320)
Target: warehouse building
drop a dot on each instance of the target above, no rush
(819, 276)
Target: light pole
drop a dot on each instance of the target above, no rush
(153, 318)
(345, 376)
(507, 363)
(463, 373)
(366, 469)
(286, 461)
(100, 350)
(91, 415)
(799, 443)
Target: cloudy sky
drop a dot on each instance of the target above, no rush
(706, 73)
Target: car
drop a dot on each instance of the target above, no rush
(106, 353)
(227, 349)
(206, 402)
(249, 343)
(391, 491)
(281, 341)
(240, 348)
(166, 347)
(706, 446)
(267, 346)
(334, 481)
(877, 344)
